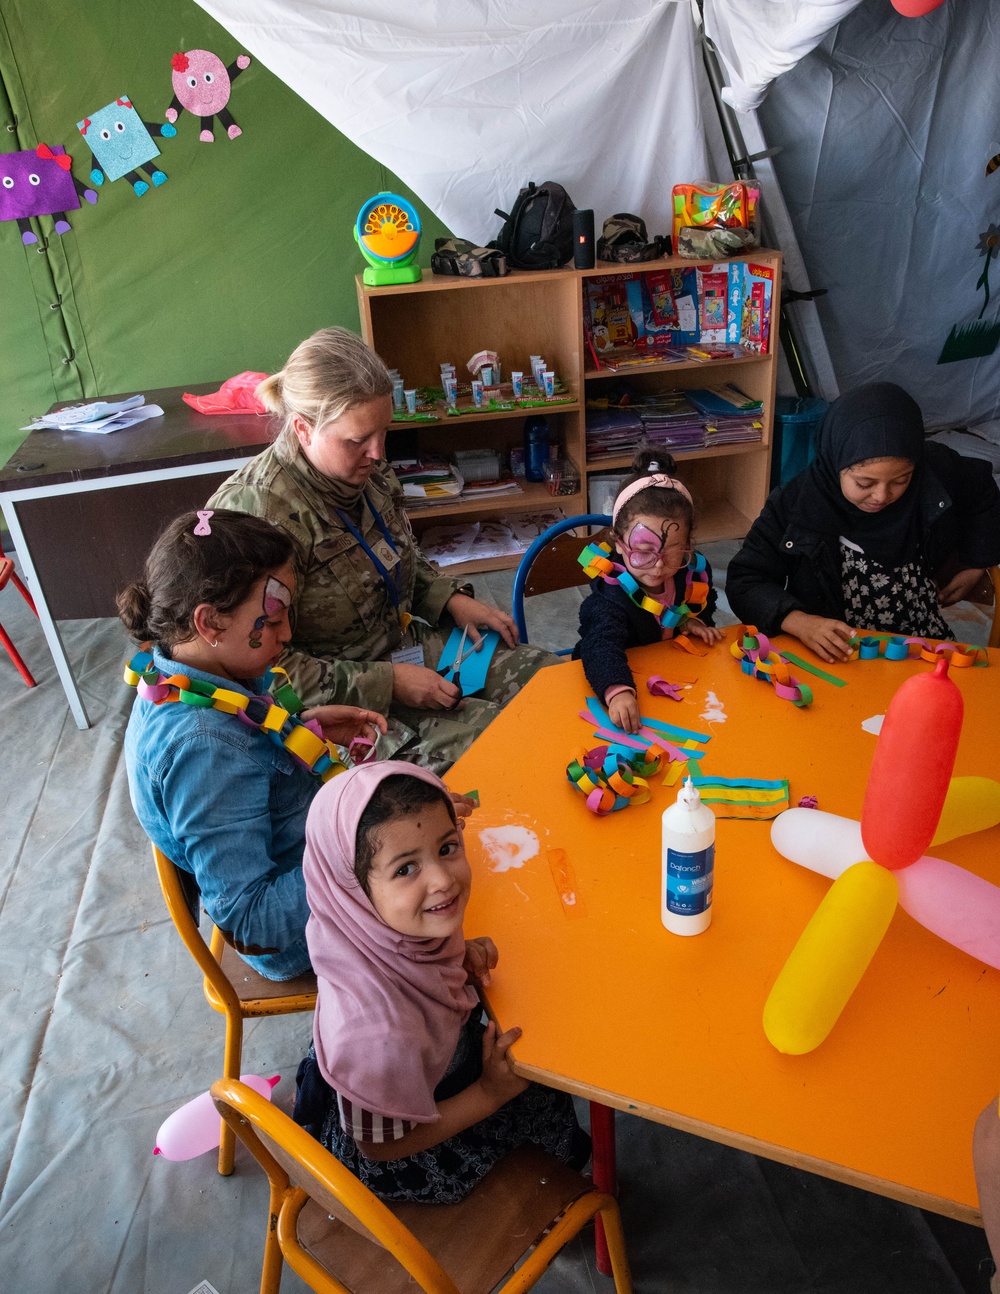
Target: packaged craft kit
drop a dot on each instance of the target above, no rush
(653, 311)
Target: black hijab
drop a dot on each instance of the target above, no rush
(875, 421)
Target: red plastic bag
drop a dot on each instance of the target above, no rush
(234, 396)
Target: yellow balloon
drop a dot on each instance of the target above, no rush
(833, 952)
(972, 804)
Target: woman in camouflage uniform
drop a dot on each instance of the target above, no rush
(369, 606)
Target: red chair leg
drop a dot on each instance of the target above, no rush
(19, 585)
(16, 580)
(15, 656)
(605, 1173)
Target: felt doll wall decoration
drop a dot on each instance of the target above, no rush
(121, 143)
(39, 182)
(202, 85)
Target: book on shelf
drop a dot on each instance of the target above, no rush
(482, 540)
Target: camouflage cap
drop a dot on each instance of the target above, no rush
(624, 238)
(457, 256)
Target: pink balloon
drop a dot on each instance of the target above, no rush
(194, 1128)
(954, 904)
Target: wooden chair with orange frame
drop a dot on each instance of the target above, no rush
(339, 1237)
(231, 987)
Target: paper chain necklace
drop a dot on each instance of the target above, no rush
(302, 741)
(596, 561)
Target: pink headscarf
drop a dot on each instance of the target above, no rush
(658, 480)
(390, 1006)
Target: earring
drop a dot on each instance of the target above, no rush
(215, 644)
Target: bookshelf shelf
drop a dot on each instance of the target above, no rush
(415, 327)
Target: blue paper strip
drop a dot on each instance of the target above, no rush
(472, 673)
(668, 729)
(750, 783)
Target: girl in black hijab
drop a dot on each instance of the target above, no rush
(878, 533)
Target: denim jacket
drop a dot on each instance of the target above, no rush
(224, 802)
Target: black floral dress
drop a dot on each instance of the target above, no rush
(901, 599)
(446, 1173)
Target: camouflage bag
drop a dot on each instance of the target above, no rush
(458, 257)
(624, 239)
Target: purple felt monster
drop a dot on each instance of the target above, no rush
(39, 182)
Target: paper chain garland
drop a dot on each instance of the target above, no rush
(614, 777)
(758, 659)
(301, 739)
(896, 647)
(756, 656)
(596, 561)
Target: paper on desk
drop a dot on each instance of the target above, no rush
(100, 418)
(119, 421)
(65, 419)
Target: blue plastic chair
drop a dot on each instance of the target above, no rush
(527, 561)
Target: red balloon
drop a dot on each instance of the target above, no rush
(912, 767)
(915, 8)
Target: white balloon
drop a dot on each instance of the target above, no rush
(823, 842)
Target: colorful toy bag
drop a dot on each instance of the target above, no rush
(708, 205)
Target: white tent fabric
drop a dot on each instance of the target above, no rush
(886, 130)
(465, 101)
(757, 40)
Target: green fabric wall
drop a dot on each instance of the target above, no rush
(245, 250)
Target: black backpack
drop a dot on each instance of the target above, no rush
(538, 233)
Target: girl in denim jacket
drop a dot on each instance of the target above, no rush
(219, 797)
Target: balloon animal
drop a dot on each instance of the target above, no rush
(910, 802)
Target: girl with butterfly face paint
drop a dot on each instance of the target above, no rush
(652, 519)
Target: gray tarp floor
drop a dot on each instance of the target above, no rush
(105, 1032)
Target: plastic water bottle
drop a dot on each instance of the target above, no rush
(688, 863)
(536, 448)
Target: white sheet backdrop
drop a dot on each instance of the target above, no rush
(757, 40)
(465, 100)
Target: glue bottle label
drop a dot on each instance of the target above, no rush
(689, 881)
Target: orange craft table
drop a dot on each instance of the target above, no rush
(617, 1010)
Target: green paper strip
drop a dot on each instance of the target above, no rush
(812, 669)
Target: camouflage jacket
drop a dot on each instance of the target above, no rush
(344, 624)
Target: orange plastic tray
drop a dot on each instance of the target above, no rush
(616, 1009)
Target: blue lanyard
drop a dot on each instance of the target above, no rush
(390, 581)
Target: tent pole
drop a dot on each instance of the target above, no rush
(800, 328)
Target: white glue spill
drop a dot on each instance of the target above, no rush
(714, 712)
(874, 724)
(508, 847)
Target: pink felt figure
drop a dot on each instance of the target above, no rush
(202, 84)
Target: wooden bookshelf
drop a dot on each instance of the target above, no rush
(415, 327)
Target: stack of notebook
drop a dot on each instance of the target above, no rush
(731, 416)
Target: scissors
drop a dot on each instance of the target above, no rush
(451, 673)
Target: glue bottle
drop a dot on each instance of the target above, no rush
(688, 863)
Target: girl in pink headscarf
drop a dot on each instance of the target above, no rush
(655, 563)
(403, 1083)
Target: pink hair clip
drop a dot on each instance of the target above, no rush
(203, 528)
